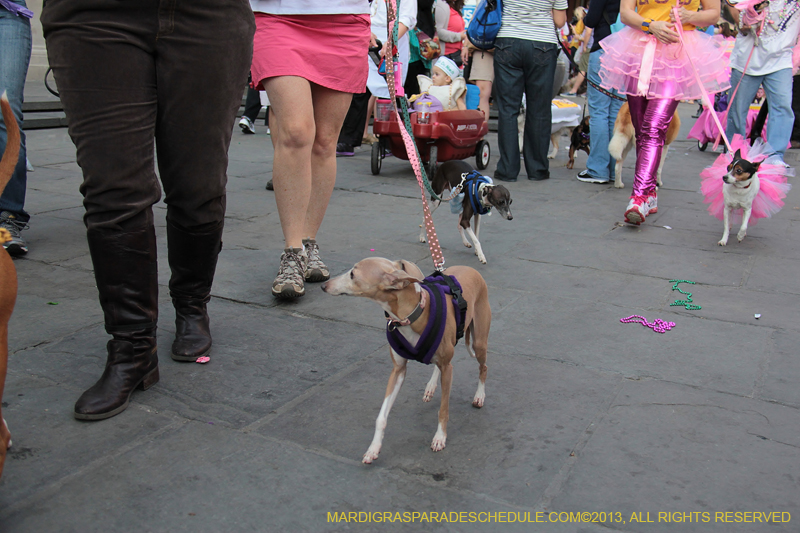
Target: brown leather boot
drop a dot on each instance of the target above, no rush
(126, 271)
(193, 261)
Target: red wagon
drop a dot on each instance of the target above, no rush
(448, 135)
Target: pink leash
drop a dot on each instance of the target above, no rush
(706, 99)
(411, 150)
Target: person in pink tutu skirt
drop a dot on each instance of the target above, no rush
(648, 62)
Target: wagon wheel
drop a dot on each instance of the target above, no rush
(482, 155)
(377, 158)
(702, 146)
(432, 161)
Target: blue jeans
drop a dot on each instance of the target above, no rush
(523, 66)
(15, 55)
(603, 111)
(778, 89)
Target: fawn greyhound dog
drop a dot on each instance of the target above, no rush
(8, 274)
(487, 196)
(624, 140)
(395, 285)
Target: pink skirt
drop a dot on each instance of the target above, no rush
(329, 50)
(671, 76)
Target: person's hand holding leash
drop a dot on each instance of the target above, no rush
(664, 31)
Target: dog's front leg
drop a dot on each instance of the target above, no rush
(477, 220)
(745, 221)
(396, 379)
(477, 244)
(430, 388)
(726, 215)
(440, 438)
(433, 205)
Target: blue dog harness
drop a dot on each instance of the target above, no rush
(472, 184)
(440, 289)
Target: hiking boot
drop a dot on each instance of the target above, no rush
(316, 270)
(289, 282)
(16, 246)
(637, 210)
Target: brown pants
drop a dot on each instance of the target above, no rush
(131, 73)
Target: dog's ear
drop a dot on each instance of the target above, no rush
(397, 280)
(409, 267)
(737, 155)
(756, 165)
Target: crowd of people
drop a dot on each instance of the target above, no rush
(318, 62)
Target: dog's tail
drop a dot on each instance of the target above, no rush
(11, 155)
(618, 143)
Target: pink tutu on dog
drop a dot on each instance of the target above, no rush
(773, 177)
(671, 75)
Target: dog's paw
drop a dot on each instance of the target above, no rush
(371, 455)
(468, 245)
(570, 164)
(551, 155)
(438, 442)
(481, 257)
(428, 394)
(478, 400)
(740, 236)
(723, 242)
(422, 238)
(619, 184)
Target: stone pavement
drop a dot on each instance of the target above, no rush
(582, 413)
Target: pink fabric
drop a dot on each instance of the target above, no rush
(329, 50)
(650, 118)
(773, 178)
(456, 25)
(705, 129)
(671, 75)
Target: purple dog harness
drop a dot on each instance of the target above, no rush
(440, 289)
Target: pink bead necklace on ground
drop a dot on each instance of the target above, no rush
(658, 325)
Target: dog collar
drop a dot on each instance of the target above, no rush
(415, 314)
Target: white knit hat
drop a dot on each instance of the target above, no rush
(448, 66)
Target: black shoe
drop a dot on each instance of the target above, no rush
(270, 186)
(542, 177)
(496, 177)
(345, 150)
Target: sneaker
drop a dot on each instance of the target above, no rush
(268, 132)
(637, 210)
(289, 282)
(13, 242)
(270, 187)
(316, 270)
(247, 125)
(585, 177)
(652, 203)
(345, 150)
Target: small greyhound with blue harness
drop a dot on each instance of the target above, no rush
(478, 196)
(426, 317)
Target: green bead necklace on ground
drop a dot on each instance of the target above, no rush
(687, 303)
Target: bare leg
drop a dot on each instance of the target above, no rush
(293, 131)
(330, 108)
(486, 93)
(370, 112)
(396, 379)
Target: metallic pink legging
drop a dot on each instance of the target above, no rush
(650, 119)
